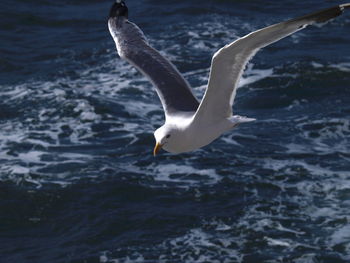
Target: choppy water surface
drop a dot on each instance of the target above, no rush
(78, 182)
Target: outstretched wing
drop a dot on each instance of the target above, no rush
(173, 91)
(229, 62)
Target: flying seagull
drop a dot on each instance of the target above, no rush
(190, 124)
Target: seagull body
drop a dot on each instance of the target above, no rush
(190, 124)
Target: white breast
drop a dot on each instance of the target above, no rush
(195, 135)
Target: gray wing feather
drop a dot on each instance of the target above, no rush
(173, 90)
(229, 62)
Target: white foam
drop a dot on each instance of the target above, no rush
(306, 258)
(197, 245)
(31, 157)
(341, 235)
(276, 242)
(316, 64)
(142, 109)
(313, 169)
(344, 66)
(15, 169)
(254, 75)
(181, 173)
(230, 140)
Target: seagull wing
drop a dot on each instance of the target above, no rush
(229, 62)
(173, 90)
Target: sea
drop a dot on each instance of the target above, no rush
(79, 182)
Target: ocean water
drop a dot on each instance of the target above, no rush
(78, 182)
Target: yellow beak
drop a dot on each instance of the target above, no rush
(157, 148)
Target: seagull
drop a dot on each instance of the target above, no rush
(189, 123)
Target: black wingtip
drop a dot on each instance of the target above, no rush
(324, 15)
(119, 9)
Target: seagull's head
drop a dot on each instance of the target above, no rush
(166, 137)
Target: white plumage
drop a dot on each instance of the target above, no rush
(189, 124)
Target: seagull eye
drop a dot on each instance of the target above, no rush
(168, 136)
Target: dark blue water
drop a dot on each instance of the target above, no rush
(78, 182)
